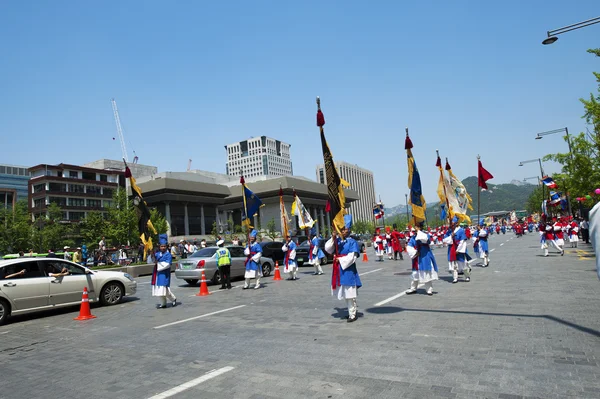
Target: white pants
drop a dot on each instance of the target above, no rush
(414, 284)
(486, 258)
(247, 282)
(466, 269)
(292, 271)
(352, 307)
(317, 265)
(169, 295)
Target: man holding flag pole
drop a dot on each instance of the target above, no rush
(253, 250)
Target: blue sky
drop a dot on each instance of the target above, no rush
(466, 77)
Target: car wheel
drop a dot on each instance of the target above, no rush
(191, 281)
(216, 278)
(4, 311)
(324, 261)
(266, 268)
(111, 293)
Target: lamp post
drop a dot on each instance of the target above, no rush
(539, 160)
(541, 135)
(553, 33)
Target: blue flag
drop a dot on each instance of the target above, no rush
(251, 205)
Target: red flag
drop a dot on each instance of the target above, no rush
(484, 176)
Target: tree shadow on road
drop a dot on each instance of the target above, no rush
(397, 309)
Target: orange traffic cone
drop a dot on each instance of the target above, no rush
(84, 310)
(365, 257)
(277, 275)
(203, 286)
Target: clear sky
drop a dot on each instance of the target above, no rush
(467, 77)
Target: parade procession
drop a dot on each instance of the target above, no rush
(324, 200)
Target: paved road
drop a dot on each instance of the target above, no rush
(527, 326)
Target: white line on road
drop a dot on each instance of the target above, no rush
(501, 244)
(492, 250)
(371, 271)
(436, 336)
(4, 332)
(390, 299)
(192, 383)
(198, 317)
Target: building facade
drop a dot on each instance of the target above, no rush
(259, 156)
(361, 180)
(195, 202)
(76, 189)
(13, 184)
(137, 170)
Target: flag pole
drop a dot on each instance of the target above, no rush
(243, 183)
(444, 185)
(478, 189)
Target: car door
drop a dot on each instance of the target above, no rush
(27, 291)
(238, 261)
(69, 288)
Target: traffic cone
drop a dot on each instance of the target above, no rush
(84, 310)
(277, 275)
(365, 257)
(203, 286)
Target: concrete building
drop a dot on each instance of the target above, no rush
(361, 180)
(76, 189)
(259, 156)
(13, 184)
(137, 170)
(193, 201)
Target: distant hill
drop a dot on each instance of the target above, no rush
(499, 197)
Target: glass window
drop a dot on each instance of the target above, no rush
(2, 169)
(58, 266)
(204, 253)
(39, 187)
(39, 203)
(76, 215)
(94, 190)
(94, 203)
(108, 192)
(61, 187)
(60, 201)
(103, 178)
(88, 176)
(76, 202)
(107, 203)
(237, 252)
(31, 268)
(76, 188)
(73, 174)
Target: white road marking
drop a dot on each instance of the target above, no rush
(436, 336)
(4, 332)
(192, 383)
(501, 244)
(390, 299)
(198, 317)
(217, 290)
(371, 271)
(492, 250)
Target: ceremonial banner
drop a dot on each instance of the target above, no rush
(143, 213)
(459, 200)
(415, 199)
(378, 211)
(483, 176)
(305, 221)
(336, 202)
(285, 231)
(441, 190)
(549, 182)
(251, 204)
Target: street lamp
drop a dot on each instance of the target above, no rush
(552, 33)
(533, 177)
(541, 171)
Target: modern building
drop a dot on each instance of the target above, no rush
(193, 201)
(259, 156)
(13, 184)
(137, 170)
(76, 189)
(361, 180)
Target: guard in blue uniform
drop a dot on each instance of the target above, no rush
(291, 266)
(161, 276)
(253, 269)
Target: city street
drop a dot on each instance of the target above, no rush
(526, 326)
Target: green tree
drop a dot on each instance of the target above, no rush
(56, 233)
(92, 228)
(534, 202)
(159, 222)
(271, 232)
(363, 227)
(122, 220)
(15, 228)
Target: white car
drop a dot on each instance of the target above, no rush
(36, 284)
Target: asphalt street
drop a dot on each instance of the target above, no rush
(526, 326)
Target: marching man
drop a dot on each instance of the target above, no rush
(345, 276)
(291, 266)
(424, 267)
(559, 237)
(161, 277)
(457, 239)
(253, 269)
(573, 234)
(316, 255)
(378, 244)
(483, 245)
(389, 245)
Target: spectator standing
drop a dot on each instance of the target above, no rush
(140, 252)
(66, 255)
(585, 231)
(84, 255)
(51, 254)
(182, 250)
(102, 244)
(174, 252)
(122, 255)
(77, 256)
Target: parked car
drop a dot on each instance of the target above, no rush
(190, 269)
(32, 289)
(302, 254)
(273, 250)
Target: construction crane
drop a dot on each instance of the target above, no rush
(189, 165)
(119, 130)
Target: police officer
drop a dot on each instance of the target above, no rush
(224, 264)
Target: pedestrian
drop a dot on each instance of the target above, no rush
(573, 234)
(585, 231)
(21, 254)
(235, 241)
(161, 276)
(456, 239)
(291, 266)
(102, 244)
(559, 237)
(203, 243)
(51, 254)
(253, 252)
(396, 245)
(66, 254)
(484, 252)
(224, 264)
(316, 254)
(389, 248)
(122, 255)
(84, 255)
(424, 267)
(345, 278)
(140, 252)
(174, 252)
(77, 256)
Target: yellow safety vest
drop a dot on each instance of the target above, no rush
(223, 257)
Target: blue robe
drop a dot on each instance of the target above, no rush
(250, 264)
(348, 277)
(461, 236)
(425, 260)
(291, 247)
(320, 253)
(162, 277)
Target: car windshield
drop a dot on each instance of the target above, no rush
(304, 244)
(204, 253)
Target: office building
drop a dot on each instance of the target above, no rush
(13, 184)
(76, 189)
(361, 180)
(259, 156)
(137, 170)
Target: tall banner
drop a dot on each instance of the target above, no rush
(251, 204)
(145, 226)
(415, 199)
(458, 197)
(305, 221)
(285, 230)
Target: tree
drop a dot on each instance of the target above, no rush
(534, 202)
(214, 232)
(271, 232)
(122, 220)
(159, 222)
(363, 227)
(92, 228)
(15, 228)
(56, 232)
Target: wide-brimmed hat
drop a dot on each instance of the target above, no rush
(220, 242)
(66, 247)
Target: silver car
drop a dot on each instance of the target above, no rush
(190, 269)
(26, 285)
